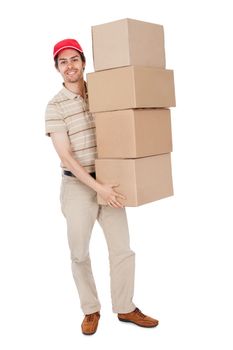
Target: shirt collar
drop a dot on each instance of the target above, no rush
(71, 95)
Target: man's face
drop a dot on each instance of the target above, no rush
(70, 66)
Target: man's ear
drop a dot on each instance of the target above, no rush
(84, 65)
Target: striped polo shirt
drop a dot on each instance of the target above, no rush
(68, 112)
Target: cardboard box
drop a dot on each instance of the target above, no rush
(133, 133)
(128, 42)
(140, 180)
(130, 87)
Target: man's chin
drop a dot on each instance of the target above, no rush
(72, 81)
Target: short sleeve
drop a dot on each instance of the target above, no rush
(54, 121)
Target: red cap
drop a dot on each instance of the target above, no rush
(66, 44)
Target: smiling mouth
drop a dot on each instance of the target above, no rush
(71, 72)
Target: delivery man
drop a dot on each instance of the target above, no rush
(72, 130)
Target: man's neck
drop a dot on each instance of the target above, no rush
(77, 88)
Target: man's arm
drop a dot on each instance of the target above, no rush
(63, 148)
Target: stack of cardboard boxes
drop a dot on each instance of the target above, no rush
(130, 93)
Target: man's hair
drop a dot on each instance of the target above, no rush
(83, 58)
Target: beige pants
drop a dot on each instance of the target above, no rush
(80, 208)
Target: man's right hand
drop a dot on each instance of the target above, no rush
(63, 147)
(110, 196)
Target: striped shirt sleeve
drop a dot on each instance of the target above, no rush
(54, 121)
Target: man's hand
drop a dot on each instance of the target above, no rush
(110, 195)
(62, 145)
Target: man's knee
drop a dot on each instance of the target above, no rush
(79, 257)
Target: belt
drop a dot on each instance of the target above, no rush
(69, 173)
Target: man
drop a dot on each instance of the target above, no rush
(72, 130)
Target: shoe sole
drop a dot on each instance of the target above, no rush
(89, 333)
(122, 320)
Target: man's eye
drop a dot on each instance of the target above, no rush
(62, 62)
(75, 59)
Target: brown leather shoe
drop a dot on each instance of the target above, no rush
(139, 319)
(90, 323)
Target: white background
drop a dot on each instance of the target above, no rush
(183, 244)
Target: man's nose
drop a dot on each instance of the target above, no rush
(69, 64)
